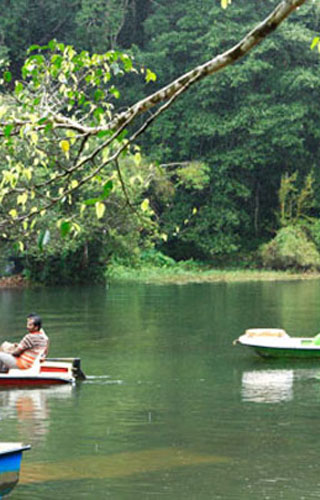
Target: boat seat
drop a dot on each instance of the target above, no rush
(266, 332)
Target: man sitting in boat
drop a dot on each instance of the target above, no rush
(23, 354)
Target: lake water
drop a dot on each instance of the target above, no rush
(170, 409)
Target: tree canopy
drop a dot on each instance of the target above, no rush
(62, 117)
(76, 142)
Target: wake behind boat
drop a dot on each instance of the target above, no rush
(276, 343)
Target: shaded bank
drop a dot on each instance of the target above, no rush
(16, 281)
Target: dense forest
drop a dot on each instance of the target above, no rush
(228, 174)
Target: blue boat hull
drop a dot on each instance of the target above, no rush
(10, 462)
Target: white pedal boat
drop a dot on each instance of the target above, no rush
(50, 371)
(276, 343)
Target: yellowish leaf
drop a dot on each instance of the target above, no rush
(72, 136)
(27, 172)
(137, 159)
(105, 154)
(34, 137)
(22, 199)
(145, 205)
(100, 209)
(76, 228)
(65, 146)
(3, 110)
(13, 213)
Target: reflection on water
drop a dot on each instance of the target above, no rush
(30, 408)
(273, 385)
(267, 386)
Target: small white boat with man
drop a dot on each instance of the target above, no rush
(26, 362)
(50, 371)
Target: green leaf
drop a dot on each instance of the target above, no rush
(33, 47)
(115, 92)
(48, 127)
(107, 188)
(127, 62)
(57, 60)
(98, 95)
(98, 112)
(91, 201)
(103, 133)
(18, 246)
(52, 44)
(7, 75)
(18, 88)
(44, 238)
(7, 130)
(65, 228)
(42, 120)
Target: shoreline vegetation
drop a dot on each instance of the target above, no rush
(15, 281)
(160, 276)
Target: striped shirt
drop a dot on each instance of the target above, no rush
(30, 347)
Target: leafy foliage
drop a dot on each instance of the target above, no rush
(294, 205)
(57, 138)
(69, 158)
(250, 125)
(291, 249)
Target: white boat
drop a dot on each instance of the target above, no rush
(50, 371)
(276, 343)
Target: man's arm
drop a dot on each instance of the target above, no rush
(23, 345)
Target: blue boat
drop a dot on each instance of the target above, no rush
(10, 461)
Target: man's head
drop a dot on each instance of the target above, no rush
(34, 322)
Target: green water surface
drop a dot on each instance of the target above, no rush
(170, 409)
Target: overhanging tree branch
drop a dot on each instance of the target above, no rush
(86, 159)
(182, 83)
